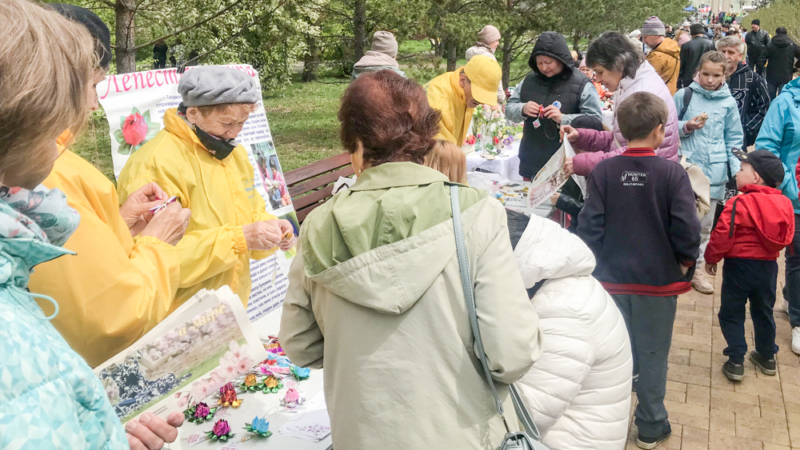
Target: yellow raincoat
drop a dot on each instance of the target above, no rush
(221, 195)
(446, 95)
(115, 289)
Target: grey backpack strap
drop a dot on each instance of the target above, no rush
(687, 98)
(469, 295)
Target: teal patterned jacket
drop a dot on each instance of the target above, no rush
(49, 397)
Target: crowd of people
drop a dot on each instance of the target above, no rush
(572, 319)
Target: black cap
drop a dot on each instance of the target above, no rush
(755, 22)
(768, 166)
(696, 29)
(97, 29)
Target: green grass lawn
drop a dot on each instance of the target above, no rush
(302, 118)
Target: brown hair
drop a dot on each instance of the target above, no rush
(640, 114)
(447, 158)
(46, 64)
(389, 116)
(223, 108)
(713, 57)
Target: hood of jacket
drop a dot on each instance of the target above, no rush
(33, 226)
(373, 58)
(554, 45)
(770, 216)
(782, 40)
(547, 252)
(366, 244)
(722, 92)
(668, 47)
(792, 88)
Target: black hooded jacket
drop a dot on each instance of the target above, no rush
(781, 54)
(540, 143)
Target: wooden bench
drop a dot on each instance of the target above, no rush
(312, 185)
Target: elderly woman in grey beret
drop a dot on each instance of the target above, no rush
(197, 159)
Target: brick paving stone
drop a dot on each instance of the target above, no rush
(708, 411)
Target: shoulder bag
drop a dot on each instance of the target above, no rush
(513, 440)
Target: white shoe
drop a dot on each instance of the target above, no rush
(785, 306)
(796, 340)
(703, 286)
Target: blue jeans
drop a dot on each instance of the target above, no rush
(744, 279)
(793, 275)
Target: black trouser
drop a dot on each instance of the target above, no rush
(755, 65)
(756, 280)
(774, 90)
(649, 321)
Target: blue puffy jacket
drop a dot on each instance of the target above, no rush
(710, 147)
(49, 397)
(779, 135)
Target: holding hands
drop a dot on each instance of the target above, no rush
(269, 234)
(168, 225)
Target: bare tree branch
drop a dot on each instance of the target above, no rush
(186, 28)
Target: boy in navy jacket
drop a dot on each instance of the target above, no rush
(752, 230)
(640, 221)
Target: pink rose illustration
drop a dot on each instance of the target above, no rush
(134, 129)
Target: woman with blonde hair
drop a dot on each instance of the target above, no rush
(447, 158)
(49, 397)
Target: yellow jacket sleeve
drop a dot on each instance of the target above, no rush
(204, 252)
(108, 297)
(438, 101)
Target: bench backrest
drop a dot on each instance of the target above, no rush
(311, 186)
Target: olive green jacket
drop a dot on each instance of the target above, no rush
(375, 298)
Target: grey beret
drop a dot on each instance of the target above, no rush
(216, 85)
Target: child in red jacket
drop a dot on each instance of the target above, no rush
(750, 234)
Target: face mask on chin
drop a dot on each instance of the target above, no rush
(218, 147)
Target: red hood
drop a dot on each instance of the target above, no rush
(772, 214)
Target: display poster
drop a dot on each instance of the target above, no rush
(135, 104)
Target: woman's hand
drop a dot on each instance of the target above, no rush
(569, 168)
(151, 432)
(531, 109)
(264, 235)
(553, 113)
(169, 224)
(570, 133)
(696, 123)
(136, 209)
(286, 228)
(711, 269)
(554, 197)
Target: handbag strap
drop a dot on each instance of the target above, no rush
(469, 296)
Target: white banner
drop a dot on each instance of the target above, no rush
(135, 104)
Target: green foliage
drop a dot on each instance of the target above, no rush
(780, 13)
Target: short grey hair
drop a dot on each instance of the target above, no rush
(730, 41)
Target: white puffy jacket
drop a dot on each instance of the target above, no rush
(579, 391)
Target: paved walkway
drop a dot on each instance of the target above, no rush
(709, 412)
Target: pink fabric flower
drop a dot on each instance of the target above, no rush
(202, 410)
(221, 428)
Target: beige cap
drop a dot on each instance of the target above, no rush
(489, 34)
(384, 42)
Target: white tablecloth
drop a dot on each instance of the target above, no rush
(506, 164)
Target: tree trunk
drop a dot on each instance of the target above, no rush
(311, 59)
(507, 43)
(439, 48)
(359, 31)
(451, 55)
(126, 36)
(576, 40)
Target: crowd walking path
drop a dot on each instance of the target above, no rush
(709, 412)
